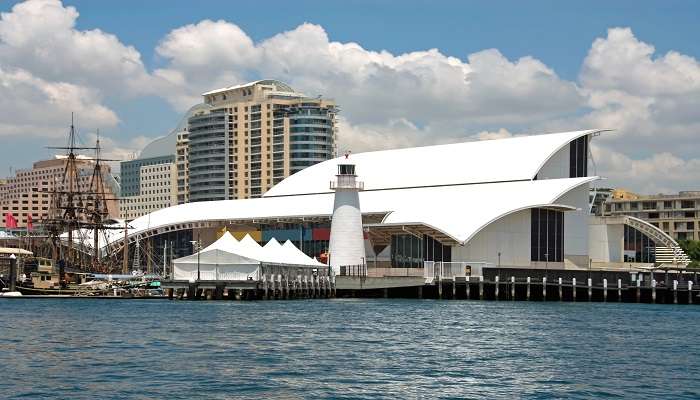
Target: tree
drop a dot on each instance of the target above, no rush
(692, 249)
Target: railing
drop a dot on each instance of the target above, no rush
(346, 182)
(353, 270)
(435, 270)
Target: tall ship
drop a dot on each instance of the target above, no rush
(64, 251)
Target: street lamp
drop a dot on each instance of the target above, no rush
(196, 245)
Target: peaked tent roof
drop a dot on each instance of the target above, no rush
(225, 242)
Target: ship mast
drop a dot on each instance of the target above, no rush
(98, 212)
(73, 207)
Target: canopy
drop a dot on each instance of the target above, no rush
(229, 259)
(218, 261)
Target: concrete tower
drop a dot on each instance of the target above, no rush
(346, 245)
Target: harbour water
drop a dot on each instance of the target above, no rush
(346, 348)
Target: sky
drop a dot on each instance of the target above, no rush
(404, 73)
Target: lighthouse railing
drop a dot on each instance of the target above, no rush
(347, 182)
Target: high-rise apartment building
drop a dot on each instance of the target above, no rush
(182, 152)
(676, 214)
(27, 195)
(246, 138)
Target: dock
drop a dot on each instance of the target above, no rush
(521, 284)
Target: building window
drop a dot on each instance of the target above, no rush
(687, 204)
(547, 235)
(578, 157)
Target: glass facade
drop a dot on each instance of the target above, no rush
(547, 235)
(409, 251)
(208, 156)
(638, 247)
(311, 135)
(578, 157)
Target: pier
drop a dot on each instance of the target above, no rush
(527, 284)
(274, 282)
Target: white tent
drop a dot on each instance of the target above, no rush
(293, 253)
(229, 259)
(218, 261)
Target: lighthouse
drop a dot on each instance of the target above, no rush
(346, 245)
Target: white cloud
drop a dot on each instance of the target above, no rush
(373, 87)
(659, 173)
(39, 36)
(30, 106)
(388, 100)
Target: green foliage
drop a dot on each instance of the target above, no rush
(692, 249)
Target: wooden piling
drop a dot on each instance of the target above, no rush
(497, 287)
(454, 288)
(468, 289)
(619, 290)
(675, 291)
(605, 289)
(512, 288)
(481, 288)
(590, 289)
(653, 290)
(544, 288)
(527, 290)
(573, 289)
(639, 290)
(561, 291)
(690, 292)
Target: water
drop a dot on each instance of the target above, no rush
(111, 349)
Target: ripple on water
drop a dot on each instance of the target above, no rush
(355, 348)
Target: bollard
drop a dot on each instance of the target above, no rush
(561, 291)
(13, 273)
(653, 290)
(497, 279)
(527, 291)
(690, 292)
(481, 288)
(675, 291)
(619, 289)
(544, 288)
(573, 289)
(605, 289)
(512, 288)
(590, 289)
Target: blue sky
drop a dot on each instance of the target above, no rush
(557, 34)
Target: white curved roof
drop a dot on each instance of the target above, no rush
(165, 145)
(459, 211)
(518, 158)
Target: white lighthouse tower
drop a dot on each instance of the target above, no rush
(346, 245)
